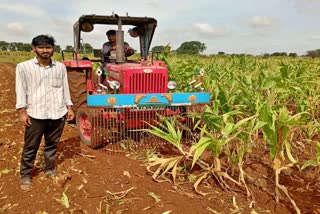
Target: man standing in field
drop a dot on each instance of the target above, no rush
(43, 101)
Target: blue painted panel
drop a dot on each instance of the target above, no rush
(165, 99)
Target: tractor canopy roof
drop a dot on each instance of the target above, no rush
(145, 25)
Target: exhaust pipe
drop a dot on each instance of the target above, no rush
(120, 42)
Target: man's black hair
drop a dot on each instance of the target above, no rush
(111, 32)
(43, 40)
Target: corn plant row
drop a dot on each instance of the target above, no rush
(253, 98)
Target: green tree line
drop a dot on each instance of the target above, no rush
(189, 47)
(19, 46)
(196, 47)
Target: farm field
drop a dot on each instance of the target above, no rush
(264, 120)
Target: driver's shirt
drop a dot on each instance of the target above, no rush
(107, 48)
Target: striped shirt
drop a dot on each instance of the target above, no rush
(43, 91)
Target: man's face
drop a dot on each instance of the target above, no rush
(112, 38)
(43, 51)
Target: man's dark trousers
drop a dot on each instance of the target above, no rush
(52, 131)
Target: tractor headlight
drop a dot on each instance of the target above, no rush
(172, 84)
(99, 72)
(114, 84)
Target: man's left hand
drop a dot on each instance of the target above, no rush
(129, 51)
(70, 114)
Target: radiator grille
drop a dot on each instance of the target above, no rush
(147, 83)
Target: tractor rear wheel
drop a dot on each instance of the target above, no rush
(78, 91)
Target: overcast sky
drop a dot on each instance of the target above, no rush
(231, 26)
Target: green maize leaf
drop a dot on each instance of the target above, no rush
(258, 125)
(297, 89)
(196, 125)
(215, 122)
(216, 105)
(284, 114)
(203, 130)
(245, 92)
(241, 122)
(318, 152)
(284, 71)
(297, 116)
(216, 146)
(271, 137)
(167, 133)
(174, 135)
(171, 129)
(249, 80)
(228, 129)
(268, 84)
(284, 130)
(198, 148)
(225, 116)
(265, 113)
(273, 147)
(223, 98)
(234, 159)
(158, 132)
(241, 151)
(309, 163)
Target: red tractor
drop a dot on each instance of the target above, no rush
(134, 94)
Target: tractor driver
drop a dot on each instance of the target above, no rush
(111, 46)
(112, 43)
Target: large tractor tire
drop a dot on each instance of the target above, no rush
(88, 125)
(78, 91)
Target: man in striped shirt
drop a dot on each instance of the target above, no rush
(44, 103)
